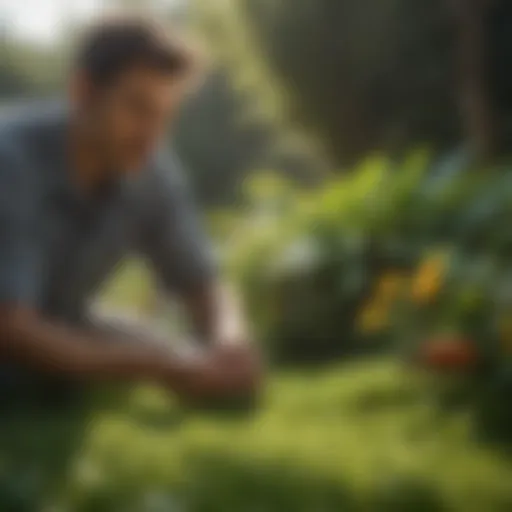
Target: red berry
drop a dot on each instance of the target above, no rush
(449, 354)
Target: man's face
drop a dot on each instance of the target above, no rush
(128, 118)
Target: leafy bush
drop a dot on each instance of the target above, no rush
(307, 259)
(324, 271)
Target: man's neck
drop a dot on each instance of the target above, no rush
(89, 167)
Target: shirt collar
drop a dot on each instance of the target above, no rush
(59, 131)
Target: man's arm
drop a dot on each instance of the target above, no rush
(33, 341)
(216, 313)
(182, 257)
(28, 338)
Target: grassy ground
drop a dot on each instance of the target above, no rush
(362, 437)
(356, 438)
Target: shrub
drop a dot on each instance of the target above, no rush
(392, 251)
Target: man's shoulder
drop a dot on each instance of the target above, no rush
(165, 174)
(163, 186)
(26, 131)
(25, 123)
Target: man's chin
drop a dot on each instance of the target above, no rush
(134, 165)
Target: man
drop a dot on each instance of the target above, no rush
(83, 184)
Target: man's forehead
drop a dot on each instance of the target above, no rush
(144, 77)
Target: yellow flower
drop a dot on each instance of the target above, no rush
(389, 286)
(373, 318)
(429, 278)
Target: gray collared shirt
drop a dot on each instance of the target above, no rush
(57, 247)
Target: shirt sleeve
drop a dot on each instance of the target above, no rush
(174, 241)
(20, 270)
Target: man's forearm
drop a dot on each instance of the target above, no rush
(231, 325)
(217, 314)
(58, 349)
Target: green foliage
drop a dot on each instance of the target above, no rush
(215, 146)
(307, 259)
(359, 74)
(351, 71)
(363, 438)
(29, 71)
(311, 263)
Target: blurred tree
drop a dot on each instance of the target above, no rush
(25, 70)
(213, 144)
(500, 77)
(220, 148)
(222, 141)
(372, 74)
(473, 53)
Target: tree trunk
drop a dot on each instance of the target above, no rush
(473, 75)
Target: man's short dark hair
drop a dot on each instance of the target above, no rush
(115, 45)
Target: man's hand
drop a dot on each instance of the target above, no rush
(232, 366)
(220, 373)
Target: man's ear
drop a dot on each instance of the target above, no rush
(81, 90)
